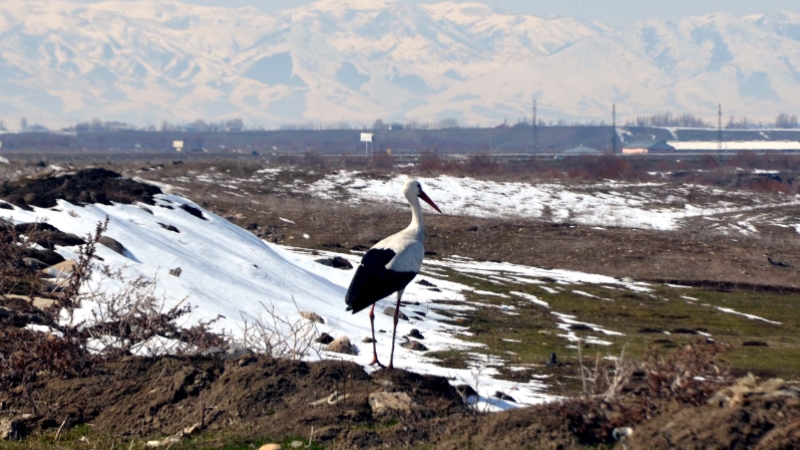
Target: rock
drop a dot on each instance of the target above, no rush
(368, 340)
(415, 334)
(251, 227)
(169, 227)
(238, 354)
(389, 311)
(296, 444)
(39, 302)
(48, 257)
(270, 447)
(146, 209)
(414, 345)
(193, 211)
(176, 272)
(324, 339)
(314, 317)
(112, 244)
(503, 396)
(336, 262)
(34, 263)
(10, 429)
(383, 403)
(342, 345)
(61, 269)
(426, 283)
(4, 205)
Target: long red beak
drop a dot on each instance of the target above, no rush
(428, 200)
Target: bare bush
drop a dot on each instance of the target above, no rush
(630, 392)
(278, 337)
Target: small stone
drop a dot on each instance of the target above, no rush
(146, 209)
(61, 269)
(270, 447)
(389, 311)
(324, 339)
(414, 345)
(389, 402)
(169, 227)
(415, 334)
(296, 444)
(176, 272)
(336, 262)
(425, 282)
(238, 354)
(503, 396)
(314, 317)
(368, 340)
(10, 429)
(342, 345)
(112, 244)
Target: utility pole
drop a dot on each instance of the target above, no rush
(719, 127)
(614, 128)
(535, 129)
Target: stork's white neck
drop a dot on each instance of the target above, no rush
(417, 225)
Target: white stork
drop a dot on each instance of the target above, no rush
(390, 265)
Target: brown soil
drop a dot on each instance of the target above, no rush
(95, 185)
(761, 424)
(684, 257)
(255, 398)
(155, 397)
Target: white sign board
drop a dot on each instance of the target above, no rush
(178, 145)
(366, 137)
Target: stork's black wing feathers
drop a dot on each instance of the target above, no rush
(373, 281)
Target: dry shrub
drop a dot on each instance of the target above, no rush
(15, 276)
(636, 391)
(313, 160)
(276, 336)
(382, 161)
(126, 321)
(482, 164)
(430, 162)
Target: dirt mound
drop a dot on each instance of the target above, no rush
(94, 185)
(151, 397)
(762, 424)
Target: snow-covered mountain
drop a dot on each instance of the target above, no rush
(357, 60)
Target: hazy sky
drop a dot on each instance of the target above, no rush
(616, 13)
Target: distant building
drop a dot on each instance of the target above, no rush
(735, 146)
(581, 150)
(642, 147)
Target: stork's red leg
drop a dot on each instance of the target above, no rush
(394, 330)
(374, 347)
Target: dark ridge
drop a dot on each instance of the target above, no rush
(169, 227)
(94, 185)
(193, 211)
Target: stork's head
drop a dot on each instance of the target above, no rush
(412, 189)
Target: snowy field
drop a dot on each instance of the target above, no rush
(655, 206)
(227, 271)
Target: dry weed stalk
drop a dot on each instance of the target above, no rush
(278, 337)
